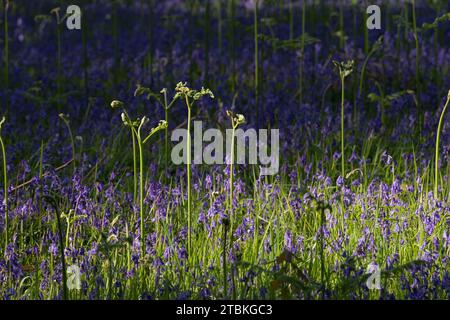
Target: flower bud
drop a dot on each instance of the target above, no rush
(139, 90)
(144, 120)
(124, 118)
(116, 104)
(64, 117)
(163, 124)
(240, 119)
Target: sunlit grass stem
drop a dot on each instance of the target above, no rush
(236, 120)
(141, 142)
(135, 175)
(230, 199)
(366, 33)
(136, 127)
(141, 190)
(166, 133)
(436, 157)
(5, 183)
(188, 168)
(166, 106)
(190, 96)
(345, 69)
(224, 257)
(342, 127)
(377, 45)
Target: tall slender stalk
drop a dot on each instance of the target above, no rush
(126, 120)
(366, 32)
(436, 157)
(190, 96)
(166, 106)
(231, 211)
(342, 128)
(224, 257)
(374, 49)
(141, 188)
(236, 120)
(6, 53)
(135, 174)
(5, 182)
(322, 207)
(41, 171)
(166, 133)
(136, 133)
(188, 168)
(256, 56)
(230, 199)
(162, 125)
(345, 69)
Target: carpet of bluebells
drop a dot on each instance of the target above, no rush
(312, 231)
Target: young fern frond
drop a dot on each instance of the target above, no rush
(136, 127)
(345, 69)
(190, 97)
